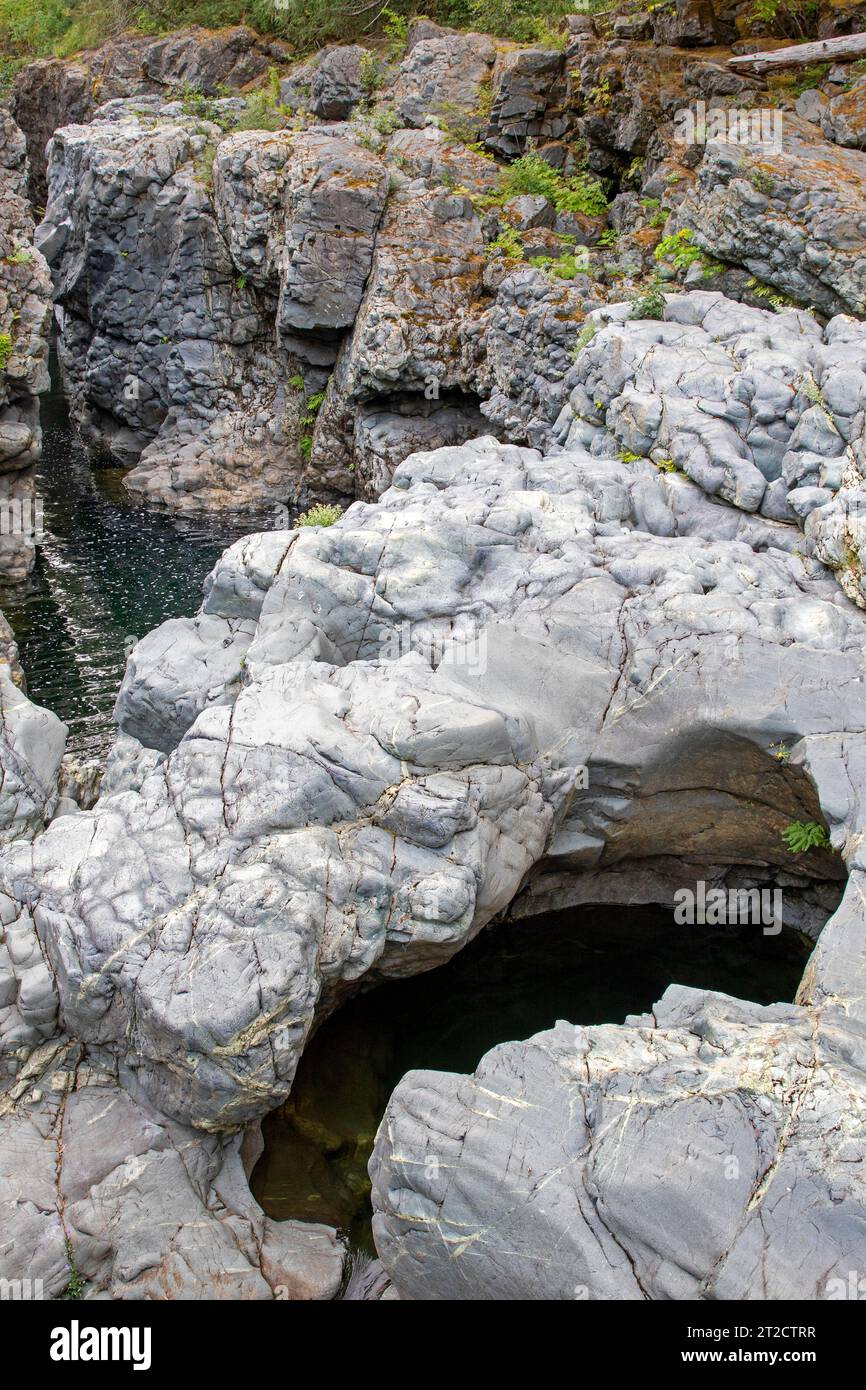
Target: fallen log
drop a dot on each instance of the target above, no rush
(840, 50)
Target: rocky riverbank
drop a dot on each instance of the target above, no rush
(590, 629)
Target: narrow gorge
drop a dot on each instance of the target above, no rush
(432, 680)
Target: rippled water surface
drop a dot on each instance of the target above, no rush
(107, 571)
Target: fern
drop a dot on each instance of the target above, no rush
(800, 836)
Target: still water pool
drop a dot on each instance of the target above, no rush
(107, 571)
(586, 965)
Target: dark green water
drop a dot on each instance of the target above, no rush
(586, 965)
(107, 571)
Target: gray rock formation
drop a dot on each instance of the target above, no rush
(766, 414)
(791, 213)
(25, 311)
(613, 647)
(96, 1187)
(187, 313)
(52, 92)
(709, 1150)
(445, 76)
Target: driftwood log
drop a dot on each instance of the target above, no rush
(839, 50)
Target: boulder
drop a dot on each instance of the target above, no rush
(791, 212)
(445, 77)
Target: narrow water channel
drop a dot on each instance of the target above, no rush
(586, 965)
(107, 572)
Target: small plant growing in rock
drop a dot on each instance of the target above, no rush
(75, 1284)
(760, 180)
(777, 301)
(678, 249)
(781, 752)
(812, 391)
(264, 110)
(650, 305)
(601, 95)
(20, 256)
(5, 350)
(581, 193)
(322, 514)
(633, 174)
(585, 336)
(562, 267)
(800, 836)
(372, 73)
(626, 456)
(507, 244)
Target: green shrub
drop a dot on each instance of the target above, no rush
(5, 350)
(525, 21)
(651, 304)
(533, 175)
(562, 267)
(322, 514)
(678, 249)
(791, 19)
(508, 244)
(264, 110)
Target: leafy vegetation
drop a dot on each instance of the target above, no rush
(507, 244)
(792, 19)
(679, 251)
(563, 267)
(651, 304)
(531, 174)
(322, 514)
(35, 28)
(584, 337)
(5, 350)
(76, 1283)
(802, 835)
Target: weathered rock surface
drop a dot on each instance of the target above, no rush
(709, 1150)
(52, 92)
(843, 117)
(181, 319)
(367, 743)
(269, 714)
(365, 804)
(445, 76)
(25, 311)
(793, 215)
(765, 413)
(94, 1182)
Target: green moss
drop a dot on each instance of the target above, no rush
(5, 350)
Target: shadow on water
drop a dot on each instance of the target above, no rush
(107, 570)
(586, 965)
